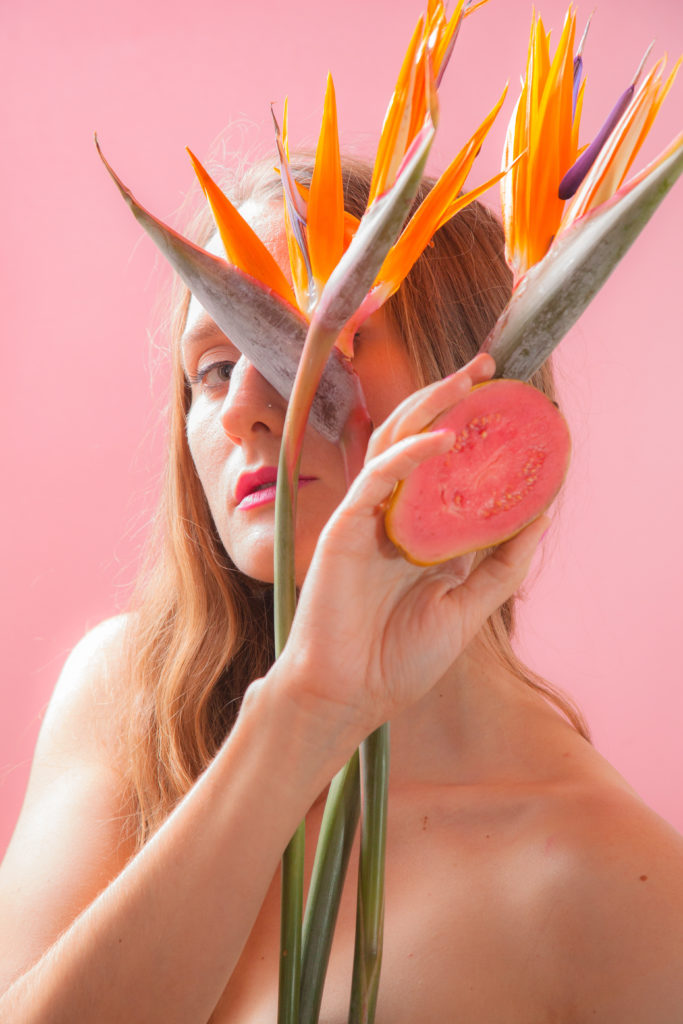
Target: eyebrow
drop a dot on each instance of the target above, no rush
(204, 329)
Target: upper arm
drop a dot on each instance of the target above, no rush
(69, 840)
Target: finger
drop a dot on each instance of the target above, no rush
(498, 577)
(420, 409)
(481, 368)
(376, 483)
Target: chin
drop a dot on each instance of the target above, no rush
(258, 565)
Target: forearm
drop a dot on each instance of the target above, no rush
(161, 942)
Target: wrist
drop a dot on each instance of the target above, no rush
(316, 736)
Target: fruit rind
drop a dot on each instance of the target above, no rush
(509, 459)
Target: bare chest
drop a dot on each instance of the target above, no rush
(458, 944)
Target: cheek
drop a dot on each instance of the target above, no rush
(387, 377)
(193, 435)
(206, 443)
(383, 398)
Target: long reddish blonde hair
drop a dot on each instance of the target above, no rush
(200, 630)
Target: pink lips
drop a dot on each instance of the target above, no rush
(257, 487)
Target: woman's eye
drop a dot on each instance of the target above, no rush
(216, 375)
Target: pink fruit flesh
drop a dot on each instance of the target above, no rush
(508, 462)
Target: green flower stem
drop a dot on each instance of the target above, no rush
(316, 350)
(337, 832)
(290, 928)
(285, 581)
(313, 359)
(367, 960)
(293, 858)
(344, 291)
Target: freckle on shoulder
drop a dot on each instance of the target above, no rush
(613, 849)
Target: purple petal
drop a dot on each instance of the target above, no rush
(580, 169)
(578, 70)
(578, 66)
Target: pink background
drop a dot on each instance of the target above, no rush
(83, 353)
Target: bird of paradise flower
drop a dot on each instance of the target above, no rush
(567, 214)
(319, 230)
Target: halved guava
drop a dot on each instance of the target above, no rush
(509, 459)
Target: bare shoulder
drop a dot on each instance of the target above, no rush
(81, 715)
(71, 838)
(79, 738)
(619, 849)
(613, 907)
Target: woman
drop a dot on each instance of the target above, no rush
(525, 880)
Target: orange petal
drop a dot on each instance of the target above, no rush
(285, 127)
(394, 137)
(418, 107)
(438, 206)
(243, 247)
(446, 40)
(660, 95)
(325, 222)
(510, 183)
(416, 238)
(543, 127)
(550, 145)
(350, 221)
(472, 7)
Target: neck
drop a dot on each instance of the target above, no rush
(481, 724)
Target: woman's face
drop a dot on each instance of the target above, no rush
(235, 422)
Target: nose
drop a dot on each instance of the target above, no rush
(251, 405)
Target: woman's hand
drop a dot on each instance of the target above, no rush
(372, 632)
